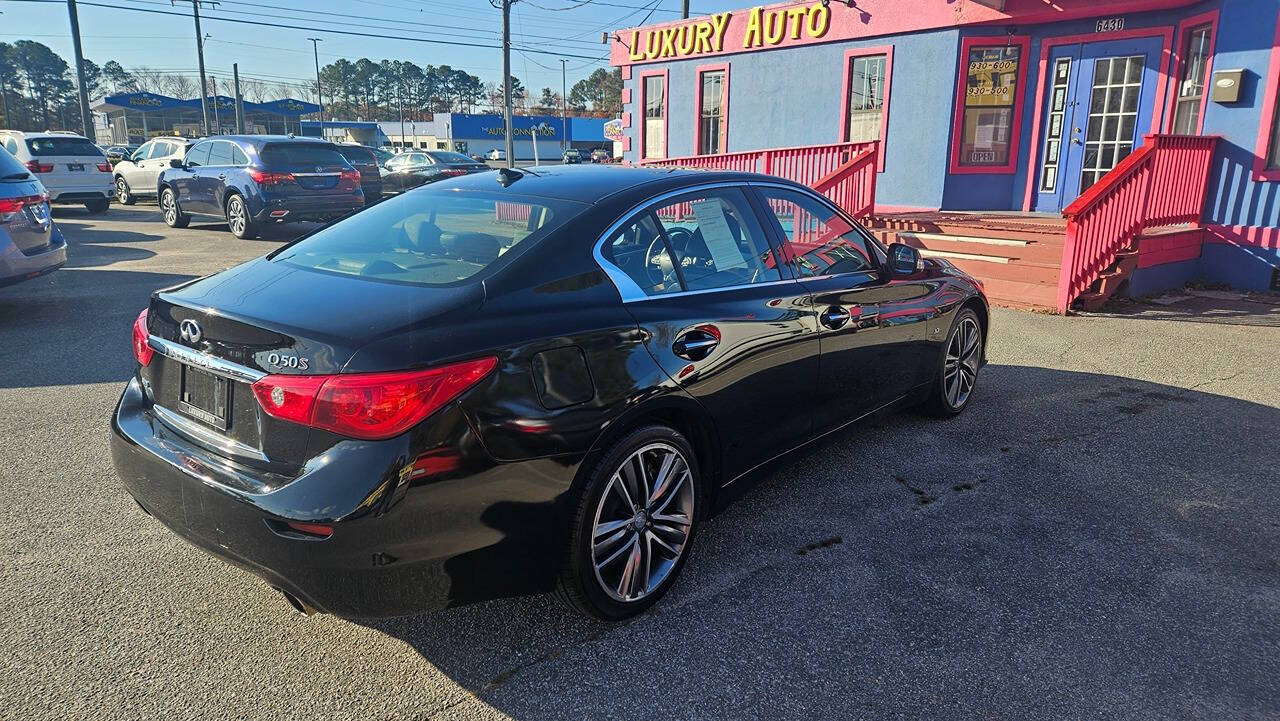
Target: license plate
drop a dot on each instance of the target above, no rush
(75, 166)
(39, 213)
(204, 397)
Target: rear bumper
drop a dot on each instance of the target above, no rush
(103, 188)
(16, 266)
(403, 542)
(294, 209)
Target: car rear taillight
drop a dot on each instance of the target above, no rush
(104, 167)
(267, 177)
(141, 349)
(369, 406)
(9, 206)
(36, 167)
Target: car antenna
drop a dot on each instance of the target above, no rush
(507, 176)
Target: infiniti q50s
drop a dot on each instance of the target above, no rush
(512, 382)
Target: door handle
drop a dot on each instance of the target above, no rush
(695, 345)
(222, 176)
(834, 317)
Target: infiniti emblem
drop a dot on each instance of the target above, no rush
(319, 168)
(189, 331)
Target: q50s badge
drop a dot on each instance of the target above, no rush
(287, 361)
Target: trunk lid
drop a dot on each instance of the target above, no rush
(316, 168)
(266, 317)
(24, 214)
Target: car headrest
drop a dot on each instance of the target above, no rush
(473, 247)
(423, 235)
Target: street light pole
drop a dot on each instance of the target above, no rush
(85, 122)
(506, 79)
(564, 109)
(684, 9)
(315, 49)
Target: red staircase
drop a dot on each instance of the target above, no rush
(1025, 260)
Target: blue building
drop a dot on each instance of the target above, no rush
(996, 106)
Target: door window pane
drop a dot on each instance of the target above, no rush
(1057, 119)
(714, 241)
(866, 98)
(220, 153)
(655, 122)
(991, 89)
(711, 114)
(199, 155)
(640, 251)
(818, 240)
(1119, 80)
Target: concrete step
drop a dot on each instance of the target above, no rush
(971, 239)
(1018, 294)
(1018, 272)
(1017, 250)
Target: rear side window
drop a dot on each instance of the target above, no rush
(62, 146)
(220, 153)
(430, 237)
(237, 156)
(817, 240)
(280, 154)
(11, 145)
(451, 158)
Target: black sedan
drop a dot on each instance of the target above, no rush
(414, 168)
(515, 381)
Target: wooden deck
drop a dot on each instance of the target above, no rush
(1017, 256)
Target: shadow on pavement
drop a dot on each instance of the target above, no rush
(1250, 309)
(1074, 545)
(73, 326)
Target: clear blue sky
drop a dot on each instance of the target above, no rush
(275, 54)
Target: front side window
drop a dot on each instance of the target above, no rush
(991, 82)
(866, 98)
(430, 237)
(144, 152)
(711, 118)
(654, 142)
(699, 241)
(199, 155)
(818, 240)
(1195, 64)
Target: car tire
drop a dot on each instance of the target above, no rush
(124, 194)
(239, 221)
(611, 538)
(97, 207)
(958, 366)
(173, 215)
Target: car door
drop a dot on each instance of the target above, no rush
(134, 170)
(726, 322)
(156, 162)
(392, 180)
(213, 176)
(872, 327)
(185, 178)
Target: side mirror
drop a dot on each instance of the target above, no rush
(176, 163)
(904, 260)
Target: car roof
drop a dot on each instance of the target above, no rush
(29, 134)
(593, 183)
(260, 140)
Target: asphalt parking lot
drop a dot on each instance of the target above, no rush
(1098, 536)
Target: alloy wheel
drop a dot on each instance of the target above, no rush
(961, 366)
(122, 190)
(236, 216)
(169, 207)
(643, 522)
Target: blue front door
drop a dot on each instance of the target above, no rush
(1099, 100)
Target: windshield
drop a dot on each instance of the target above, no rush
(431, 236)
(62, 146)
(451, 158)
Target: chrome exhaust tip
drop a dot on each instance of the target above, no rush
(297, 603)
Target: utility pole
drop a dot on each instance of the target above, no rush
(204, 85)
(506, 79)
(235, 78)
(217, 121)
(315, 49)
(564, 109)
(85, 122)
(684, 9)
(400, 101)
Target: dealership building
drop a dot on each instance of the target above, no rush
(471, 133)
(1026, 114)
(136, 117)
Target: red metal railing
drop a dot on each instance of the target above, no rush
(844, 172)
(1161, 183)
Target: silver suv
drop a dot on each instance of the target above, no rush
(138, 175)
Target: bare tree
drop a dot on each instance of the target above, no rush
(178, 85)
(148, 80)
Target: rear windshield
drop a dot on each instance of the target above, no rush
(62, 146)
(430, 236)
(357, 155)
(300, 154)
(10, 168)
(452, 158)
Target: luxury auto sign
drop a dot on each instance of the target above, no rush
(765, 27)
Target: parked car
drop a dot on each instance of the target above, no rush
(414, 168)
(496, 154)
(116, 153)
(364, 160)
(253, 180)
(30, 244)
(478, 157)
(572, 156)
(600, 155)
(139, 174)
(71, 168)
(383, 155)
(515, 381)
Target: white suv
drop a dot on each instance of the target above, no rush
(138, 175)
(71, 168)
